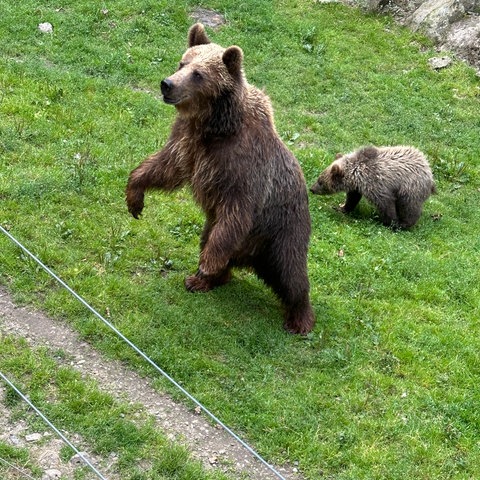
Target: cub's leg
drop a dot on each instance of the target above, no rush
(387, 212)
(408, 213)
(351, 201)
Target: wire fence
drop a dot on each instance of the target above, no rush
(19, 471)
(144, 356)
(52, 426)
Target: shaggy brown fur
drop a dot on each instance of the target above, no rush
(250, 186)
(397, 180)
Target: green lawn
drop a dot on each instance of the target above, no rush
(386, 386)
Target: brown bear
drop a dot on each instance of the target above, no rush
(223, 143)
(397, 180)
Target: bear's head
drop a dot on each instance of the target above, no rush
(207, 74)
(331, 180)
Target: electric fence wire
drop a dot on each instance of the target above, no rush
(52, 426)
(10, 465)
(144, 356)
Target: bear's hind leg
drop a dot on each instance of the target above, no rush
(290, 283)
(299, 318)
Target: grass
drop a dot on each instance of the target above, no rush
(77, 405)
(385, 387)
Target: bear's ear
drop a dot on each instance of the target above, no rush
(197, 35)
(368, 153)
(336, 172)
(233, 58)
(338, 155)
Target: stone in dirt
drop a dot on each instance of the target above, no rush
(79, 459)
(210, 18)
(52, 474)
(439, 62)
(33, 437)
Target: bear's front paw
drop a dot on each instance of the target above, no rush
(136, 211)
(135, 202)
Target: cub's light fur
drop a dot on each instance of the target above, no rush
(397, 180)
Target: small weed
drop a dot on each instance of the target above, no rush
(456, 172)
(64, 231)
(11, 397)
(82, 167)
(185, 230)
(309, 39)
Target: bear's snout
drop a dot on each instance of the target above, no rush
(170, 91)
(166, 86)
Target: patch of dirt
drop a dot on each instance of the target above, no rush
(44, 449)
(213, 446)
(209, 18)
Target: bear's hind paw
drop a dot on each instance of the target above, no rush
(300, 323)
(194, 283)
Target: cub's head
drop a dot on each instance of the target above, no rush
(205, 73)
(331, 180)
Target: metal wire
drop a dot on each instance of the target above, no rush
(52, 426)
(10, 465)
(144, 356)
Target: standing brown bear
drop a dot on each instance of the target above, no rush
(397, 180)
(250, 186)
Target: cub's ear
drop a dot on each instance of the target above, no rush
(336, 172)
(367, 153)
(197, 35)
(233, 58)
(338, 155)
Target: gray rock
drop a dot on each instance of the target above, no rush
(454, 25)
(52, 474)
(434, 17)
(45, 27)
(464, 39)
(439, 62)
(208, 17)
(33, 437)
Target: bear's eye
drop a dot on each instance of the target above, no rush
(197, 75)
(181, 65)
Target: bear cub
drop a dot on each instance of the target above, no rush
(396, 180)
(224, 145)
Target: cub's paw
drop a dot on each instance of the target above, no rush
(341, 208)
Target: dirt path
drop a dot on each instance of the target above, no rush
(212, 445)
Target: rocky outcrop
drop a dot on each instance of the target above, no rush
(435, 17)
(453, 25)
(463, 37)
